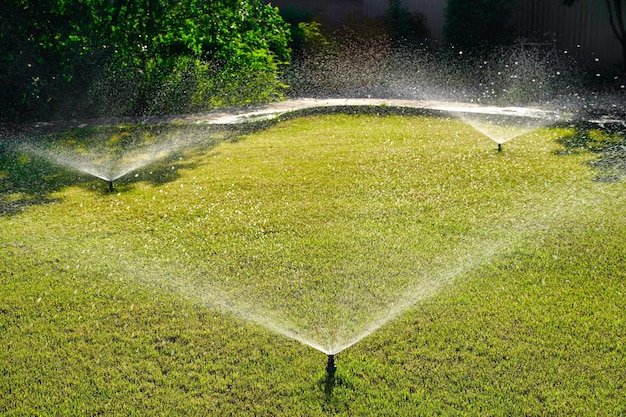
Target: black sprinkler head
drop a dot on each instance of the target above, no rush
(110, 186)
(330, 366)
(499, 147)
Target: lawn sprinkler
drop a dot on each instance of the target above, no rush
(110, 182)
(329, 383)
(330, 366)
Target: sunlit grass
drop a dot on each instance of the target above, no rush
(148, 300)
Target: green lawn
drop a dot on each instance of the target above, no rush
(460, 280)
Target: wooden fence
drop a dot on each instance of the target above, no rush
(582, 30)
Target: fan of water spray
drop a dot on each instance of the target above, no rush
(110, 153)
(502, 124)
(332, 308)
(329, 273)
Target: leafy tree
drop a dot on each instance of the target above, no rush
(478, 24)
(405, 28)
(137, 56)
(301, 23)
(617, 20)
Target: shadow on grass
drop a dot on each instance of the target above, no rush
(608, 143)
(328, 384)
(26, 182)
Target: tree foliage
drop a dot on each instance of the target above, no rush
(404, 27)
(126, 54)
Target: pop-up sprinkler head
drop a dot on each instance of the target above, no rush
(499, 147)
(330, 366)
(110, 186)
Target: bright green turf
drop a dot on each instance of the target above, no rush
(140, 302)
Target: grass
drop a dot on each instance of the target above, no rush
(155, 300)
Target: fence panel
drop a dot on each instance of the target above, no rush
(582, 30)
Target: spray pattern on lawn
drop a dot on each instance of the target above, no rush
(331, 285)
(332, 324)
(111, 152)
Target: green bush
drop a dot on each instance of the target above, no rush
(136, 57)
(339, 60)
(406, 29)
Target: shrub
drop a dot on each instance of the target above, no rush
(142, 55)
